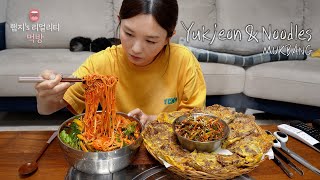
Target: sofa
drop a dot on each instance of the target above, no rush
(242, 28)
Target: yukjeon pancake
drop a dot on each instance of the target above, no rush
(247, 142)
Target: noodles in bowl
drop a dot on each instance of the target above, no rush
(125, 133)
(100, 142)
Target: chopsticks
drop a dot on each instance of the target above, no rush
(282, 166)
(40, 79)
(286, 160)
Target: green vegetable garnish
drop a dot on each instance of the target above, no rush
(118, 138)
(130, 128)
(69, 136)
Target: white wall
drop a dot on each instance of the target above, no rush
(3, 6)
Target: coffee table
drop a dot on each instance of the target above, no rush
(20, 147)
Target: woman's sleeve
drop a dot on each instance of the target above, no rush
(194, 90)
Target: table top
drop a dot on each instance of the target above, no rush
(20, 147)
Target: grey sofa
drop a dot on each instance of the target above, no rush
(286, 83)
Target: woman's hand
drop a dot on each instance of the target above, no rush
(50, 93)
(139, 114)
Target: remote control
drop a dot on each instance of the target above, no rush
(315, 133)
(300, 135)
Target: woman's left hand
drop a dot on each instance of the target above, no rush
(139, 114)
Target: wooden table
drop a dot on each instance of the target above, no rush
(20, 147)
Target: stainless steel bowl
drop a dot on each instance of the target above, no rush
(191, 145)
(100, 162)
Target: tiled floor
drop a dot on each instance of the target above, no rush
(32, 121)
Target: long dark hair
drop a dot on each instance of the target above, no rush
(165, 12)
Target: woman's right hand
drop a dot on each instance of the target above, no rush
(50, 93)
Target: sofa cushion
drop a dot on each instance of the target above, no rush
(290, 81)
(311, 21)
(223, 79)
(197, 15)
(243, 61)
(16, 62)
(3, 6)
(282, 16)
(71, 16)
(236, 19)
(116, 9)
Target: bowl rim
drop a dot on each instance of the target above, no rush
(90, 152)
(200, 142)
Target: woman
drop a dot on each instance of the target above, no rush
(154, 75)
